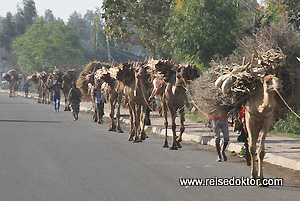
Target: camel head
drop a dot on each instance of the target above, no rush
(180, 75)
(44, 76)
(141, 75)
(271, 84)
(126, 74)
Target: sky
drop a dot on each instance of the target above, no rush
(60, 8)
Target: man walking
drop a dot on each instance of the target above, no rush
(220, 124)
(74, 100)
(99, 101)
(56, 99)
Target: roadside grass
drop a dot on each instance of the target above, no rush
(290, 135)
(195, 117)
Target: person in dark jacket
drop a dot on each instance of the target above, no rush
(74, 100)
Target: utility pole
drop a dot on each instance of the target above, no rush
(108, 50)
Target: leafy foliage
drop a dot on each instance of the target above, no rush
(45, 45)
(290, 125)
(200, 29)
(137, 22)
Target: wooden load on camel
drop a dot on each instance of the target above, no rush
(90, 69)
(225, 87)
(10, 75)
(165, 68)
(106, 74)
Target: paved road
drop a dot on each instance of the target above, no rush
(47, 156)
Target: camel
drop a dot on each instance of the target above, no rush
(173, 99)
(259, 114)
(67, 79)
(12, 78)
(35, 78)
(137, 93)
(43, 82)
(114, 96)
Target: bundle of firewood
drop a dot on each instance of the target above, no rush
(125, 73)
(160, 68)
(106, 74)
(192, 72)
(90, 68)
(10, 75)
(225, 87)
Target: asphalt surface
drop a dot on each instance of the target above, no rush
(47, 156)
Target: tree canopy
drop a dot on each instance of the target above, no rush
(46, 45)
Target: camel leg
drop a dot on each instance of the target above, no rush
(95, 119)
(164, 108)
(138, 123)
(119, 130)
(252, 139)
(137, 112)
(142, 121)
(182, 128)
(112, 126)
(261, 150)
(131, 124)
(174, 142)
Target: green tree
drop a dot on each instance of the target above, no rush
(8, 32)
(25, 16)
(49, 17)
(199, 29)
(136, 22)
(46, 45)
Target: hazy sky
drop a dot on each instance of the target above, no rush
(60, 8)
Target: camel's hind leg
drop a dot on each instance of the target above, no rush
(165, 113)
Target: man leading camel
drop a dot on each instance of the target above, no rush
(220, 124)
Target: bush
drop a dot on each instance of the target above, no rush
(290, 125)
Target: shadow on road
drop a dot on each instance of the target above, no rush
(26, 121)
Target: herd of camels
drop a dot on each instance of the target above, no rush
(133, 83)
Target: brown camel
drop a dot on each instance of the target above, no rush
(43, 82)
(259, 115)
(67, 79)
(35, 78)
(12, 78)
(173, 99)
(114, 95)
(137, 93)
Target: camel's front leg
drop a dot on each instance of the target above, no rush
(174, 142)
(112, 126)
(142, 121)
(137, 113)
(131, 124)
(261, 150)
(182, 128)
(165, 109)
(252, 139)
(118, 115)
